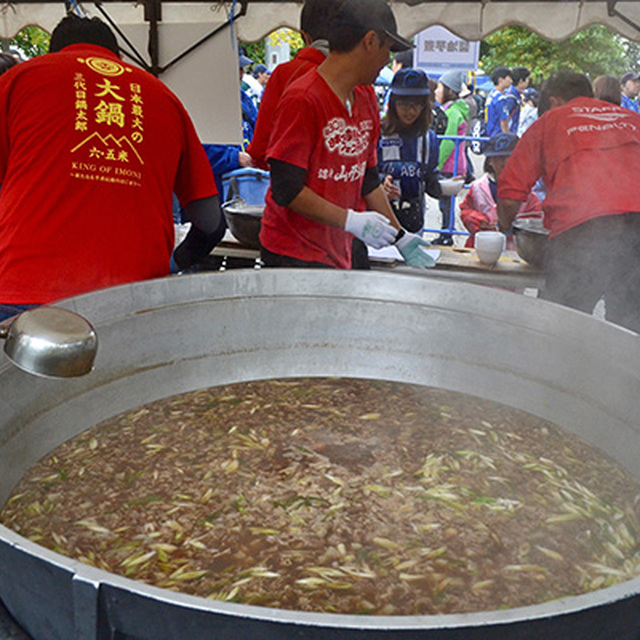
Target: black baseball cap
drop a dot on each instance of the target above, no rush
(501, 144)
(373, 15)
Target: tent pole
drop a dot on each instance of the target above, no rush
(133, 54)
(611, 8)
(153, 14)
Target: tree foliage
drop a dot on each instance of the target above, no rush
(594, 51)
(256, 50)
(31, 41)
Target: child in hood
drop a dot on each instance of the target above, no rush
(478, 210)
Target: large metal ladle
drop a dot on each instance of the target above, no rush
(50, 342)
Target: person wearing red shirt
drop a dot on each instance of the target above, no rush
(587, 152)
(91, 149)
(322, 152)
(315, 18)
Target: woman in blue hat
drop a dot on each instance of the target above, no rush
(408, 149)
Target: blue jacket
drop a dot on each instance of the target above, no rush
(249, 117)
(513, 99)
(496, 111)
(401, 157)
(629, 103)
(224, 157)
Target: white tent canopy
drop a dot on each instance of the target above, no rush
(473, 19)
(159, 32)
(470, 19)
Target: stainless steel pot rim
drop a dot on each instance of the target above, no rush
(365, 305)
(563, 606)
(533, 225)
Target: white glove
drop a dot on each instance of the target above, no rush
(410, 247)
(371, 227)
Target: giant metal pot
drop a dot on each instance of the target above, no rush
(173, 335)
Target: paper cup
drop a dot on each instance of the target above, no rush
(489, 246)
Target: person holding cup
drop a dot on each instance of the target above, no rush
(479, 209)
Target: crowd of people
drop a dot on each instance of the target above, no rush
(344, 176)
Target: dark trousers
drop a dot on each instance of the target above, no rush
(445, 210)
(270, 259)
(598, 258)
(10, 310)
(359, 259)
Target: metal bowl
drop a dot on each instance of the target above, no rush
(244, 221)
(51, 342)
(531, 240)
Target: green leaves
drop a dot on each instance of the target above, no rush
(593, 51)
(32, 41)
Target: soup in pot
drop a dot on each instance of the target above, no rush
(337, 495)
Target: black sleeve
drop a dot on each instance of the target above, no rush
(287, 181)
(432, 185)
(207, 229)
(371, 180)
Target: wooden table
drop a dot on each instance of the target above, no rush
(462, 264)
(456, 263)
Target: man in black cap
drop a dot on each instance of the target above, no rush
(261, 74)
(322, 152)
(252, 83)
(630, 88)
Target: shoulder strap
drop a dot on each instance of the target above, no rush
(423, 166)
(426, 150)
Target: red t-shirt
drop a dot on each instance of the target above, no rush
(313, 130)
(588, 154)
(306, 60)
(91, 149)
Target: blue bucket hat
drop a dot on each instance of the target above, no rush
(502, 144)
(410, 82)
(243, 59)
(258, 69)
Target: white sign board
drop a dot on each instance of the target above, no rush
(438, 50)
